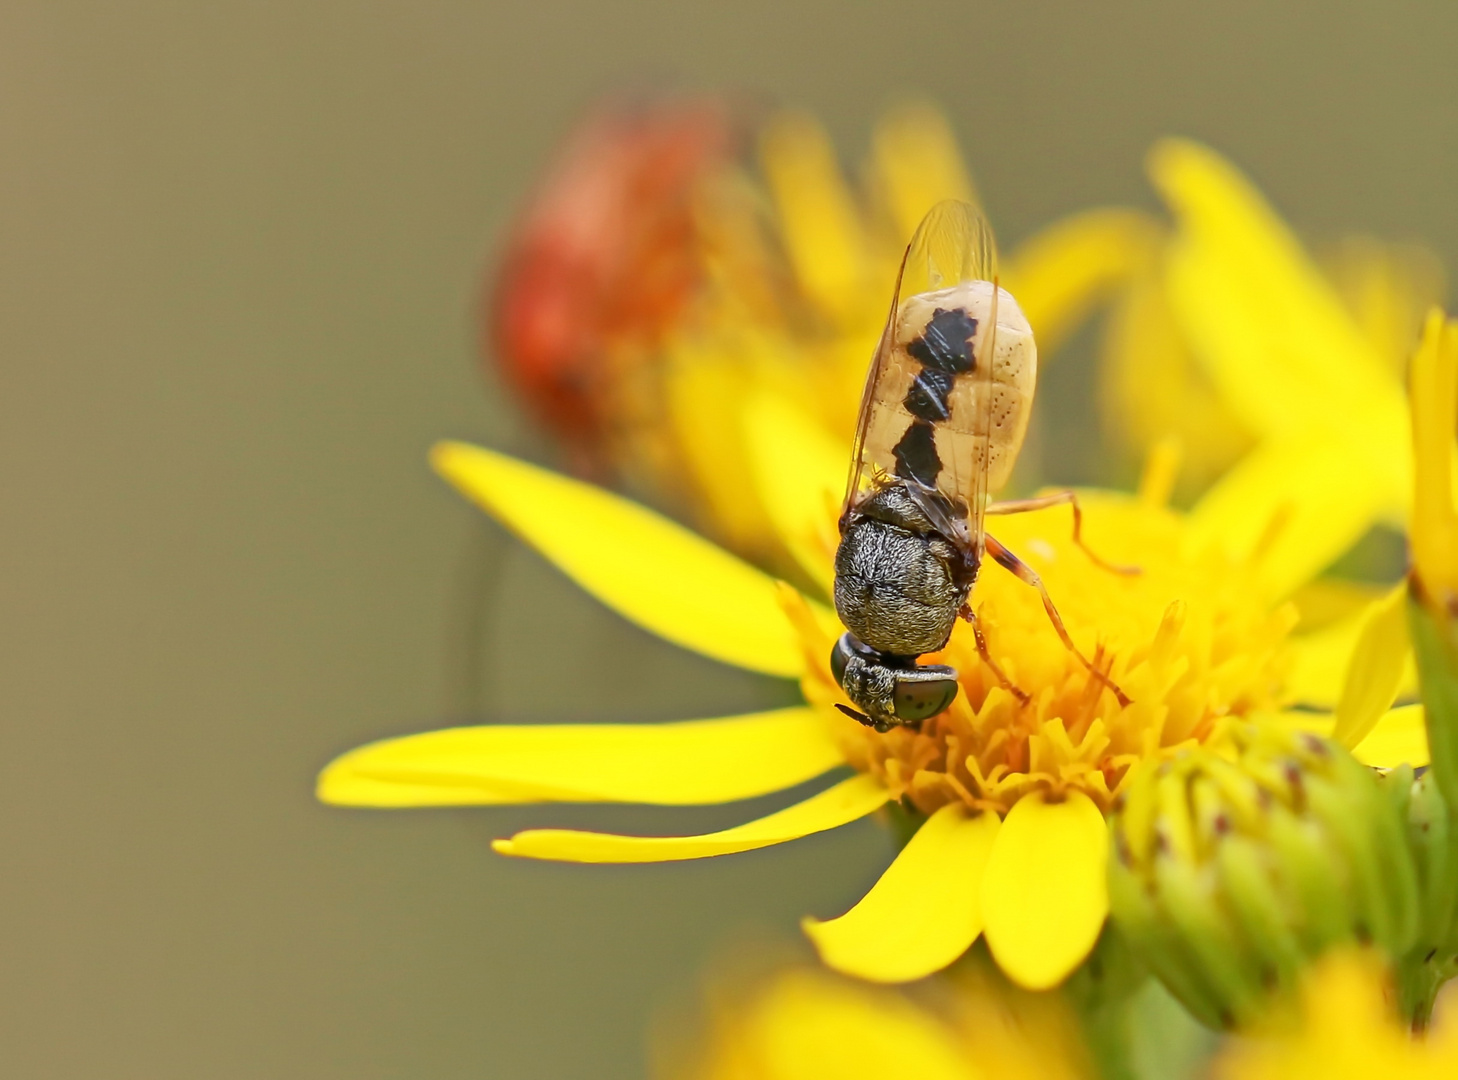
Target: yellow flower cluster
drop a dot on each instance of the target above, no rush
(1224, 332)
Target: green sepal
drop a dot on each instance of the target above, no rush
(1190, 900)
(1259, 908)
(1436, 653)
(1382, 888)
(1307, 864)
(1152, 938)
(1432, 838)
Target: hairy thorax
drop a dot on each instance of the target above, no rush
(899, 583)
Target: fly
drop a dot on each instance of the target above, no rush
(942, 418)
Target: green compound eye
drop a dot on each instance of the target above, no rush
(923, 692)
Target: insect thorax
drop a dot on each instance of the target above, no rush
(899, 582)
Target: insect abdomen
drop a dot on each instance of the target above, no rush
(927, 422)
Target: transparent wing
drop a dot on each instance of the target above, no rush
(862, 478)
(926, 412)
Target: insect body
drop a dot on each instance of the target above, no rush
(943, 416)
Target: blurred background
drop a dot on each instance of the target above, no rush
(242, 251)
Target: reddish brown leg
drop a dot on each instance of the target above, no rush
(1007, 684)
(1026, 574)
(1022, 506)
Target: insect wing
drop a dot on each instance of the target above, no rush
(863, 476)
(927, 405)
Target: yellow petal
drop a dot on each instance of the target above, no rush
(1321, 659)
(1161, 470)
(1293, 507)
(1061, 273)
(1272, 332)
(648, 569)
(1434, 416)
(800, 476)
(681, 764)
(812, 1027)
(1152, 387)
(818, 218)
(916, 164)
(701, 390)
(1328, 601)
(924, 912)
(1397, 738)
(1044, 893)
(840, 805)
(1375, 672)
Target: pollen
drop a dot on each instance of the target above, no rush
(1190, 639)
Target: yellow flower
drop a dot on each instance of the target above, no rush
(1009, 798)
(1348, 1029)
(1227, 334)
(1014, 843)
(805, 1025)
(1225, 337)
(1376, 637)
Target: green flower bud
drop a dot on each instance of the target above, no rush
(1230, 868)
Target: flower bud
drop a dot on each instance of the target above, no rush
(1232, 866)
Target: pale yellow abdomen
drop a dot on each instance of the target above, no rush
(968, 426)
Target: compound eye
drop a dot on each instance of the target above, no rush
(846, 648)
(921, 698)
(839, 657)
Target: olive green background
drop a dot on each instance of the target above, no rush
(240, 248)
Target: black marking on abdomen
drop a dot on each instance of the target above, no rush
(944, 350)
(916, 454)
(946, 343)
(928, 397)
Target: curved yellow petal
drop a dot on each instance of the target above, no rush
(1434, 417)
(840, 805)
(810, 1026)
(1374, 674)
(916, 164)
(681, 764)
(1293, 507)
(1328, 601)
(1044, 892)
(818, 219)
(702, 385)
(1061, 273)
(648, 569)
(799, 473)
(925, 910)
(1294, 358)
(1322, 657)
(1399, 737)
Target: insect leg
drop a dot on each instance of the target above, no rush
(1007, 684)
(1022, 506)
(1026, 574)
